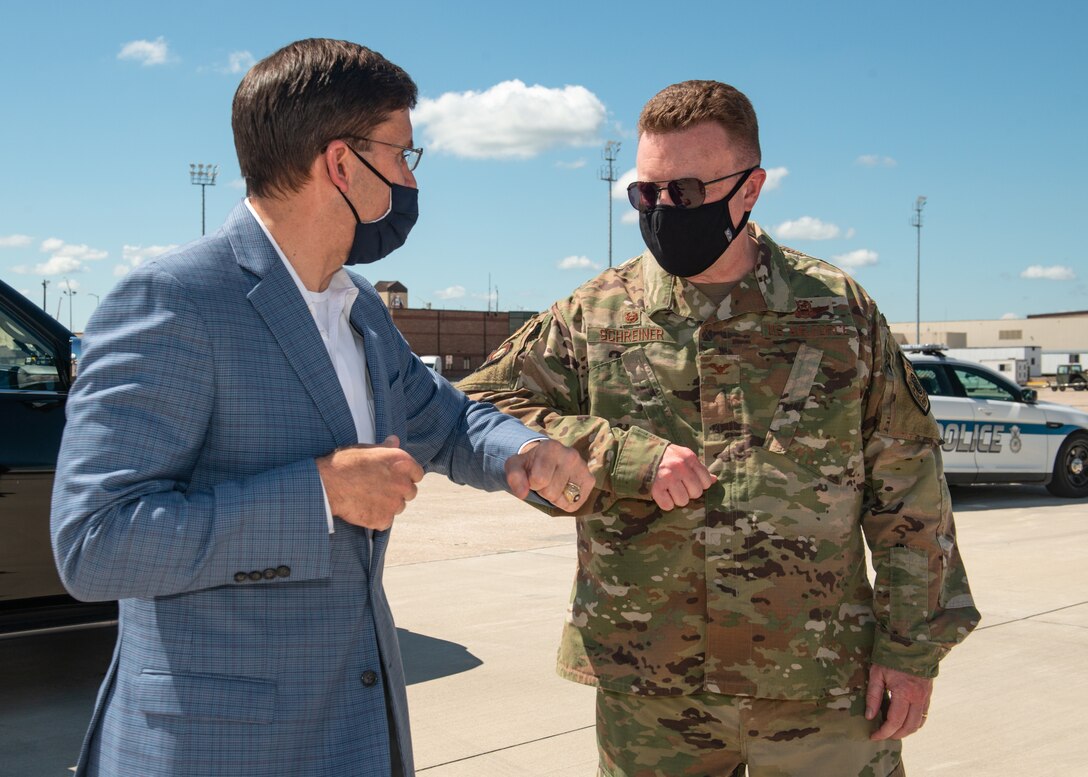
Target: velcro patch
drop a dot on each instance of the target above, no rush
(805, 329)
(635, 334)
(917, 390)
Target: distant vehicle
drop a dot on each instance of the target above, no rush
(38, 359)
(434, 362)
(1071, 376)
(994, 431)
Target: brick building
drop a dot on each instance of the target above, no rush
(463, 339)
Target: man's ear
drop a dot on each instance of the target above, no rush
(332, 163)
(752, 187)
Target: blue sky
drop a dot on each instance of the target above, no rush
(982, 107)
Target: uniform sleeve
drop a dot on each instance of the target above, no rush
(922, 600)
(539, 376)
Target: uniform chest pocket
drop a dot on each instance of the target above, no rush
(625, 390)
(817, 421)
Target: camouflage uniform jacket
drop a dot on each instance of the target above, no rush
(802, 406)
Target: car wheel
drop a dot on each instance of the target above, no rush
(1071, 468)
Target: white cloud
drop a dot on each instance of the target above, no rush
(134, 256)
(576, 263)
(66, 258)
(774, 177)
(240, 62)
(68, 283)
(237, 183)
(510, 120)
(629, 217)
(862, 257)
(56, 265)
(806, 228)
(146, 52)
(1056, 272)
(875, 160)
(15, 241)
(619, 188)
(82, 252)
(451, 292)
(850, 233)
(1010, 317)
(577, 164)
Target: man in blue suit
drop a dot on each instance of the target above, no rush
(246, 424)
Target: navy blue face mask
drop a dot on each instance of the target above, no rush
(377, 239)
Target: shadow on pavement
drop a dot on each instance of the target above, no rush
(48, 684)
(989, 497)
(426, 658)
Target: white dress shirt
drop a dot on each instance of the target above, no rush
(331, 309)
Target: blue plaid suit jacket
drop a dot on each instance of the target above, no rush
(251, 641)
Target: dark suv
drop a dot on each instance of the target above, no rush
(38, 359)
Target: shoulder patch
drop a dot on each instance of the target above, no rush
(917, 390)
(498, 353)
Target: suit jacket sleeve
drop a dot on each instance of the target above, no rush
(448, 433)
(125, 521)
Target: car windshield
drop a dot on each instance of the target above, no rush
(977, 385)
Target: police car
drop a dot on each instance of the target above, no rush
(994, 431)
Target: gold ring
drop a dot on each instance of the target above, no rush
(572, 492)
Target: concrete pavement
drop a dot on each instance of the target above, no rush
(491, 577)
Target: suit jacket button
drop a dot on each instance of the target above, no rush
(270, 574)
(255, 575)
(240, 577)
(368, 678)
(283, 571)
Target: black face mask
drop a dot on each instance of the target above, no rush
(687, 241)
(377, 239)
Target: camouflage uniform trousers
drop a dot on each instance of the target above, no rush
(713, 735)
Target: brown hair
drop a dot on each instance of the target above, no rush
(689, 103)
(293, 103)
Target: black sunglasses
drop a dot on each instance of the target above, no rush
(684, 192)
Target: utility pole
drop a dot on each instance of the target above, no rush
(916, 222)
(45, 284)
(202, 175)
(71, 293)
(608, 174)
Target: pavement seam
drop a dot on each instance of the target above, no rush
(1033, 616)
(478, 555)
(508, 747)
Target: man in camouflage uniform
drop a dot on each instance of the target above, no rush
(750, 423)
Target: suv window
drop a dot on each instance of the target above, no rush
(979, 386)
(26, 363)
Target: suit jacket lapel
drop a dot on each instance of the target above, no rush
(361, 319)
(278, 301)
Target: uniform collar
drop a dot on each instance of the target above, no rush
(765, 287)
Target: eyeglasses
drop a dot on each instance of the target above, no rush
(411, 155)
(684, 192)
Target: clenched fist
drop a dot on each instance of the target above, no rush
(554, 471)
(369, 484)
(681, 476)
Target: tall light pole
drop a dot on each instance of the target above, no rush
(45, 285)
(71, 293)
(608, 174)
(202, 175)
(916, 222)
